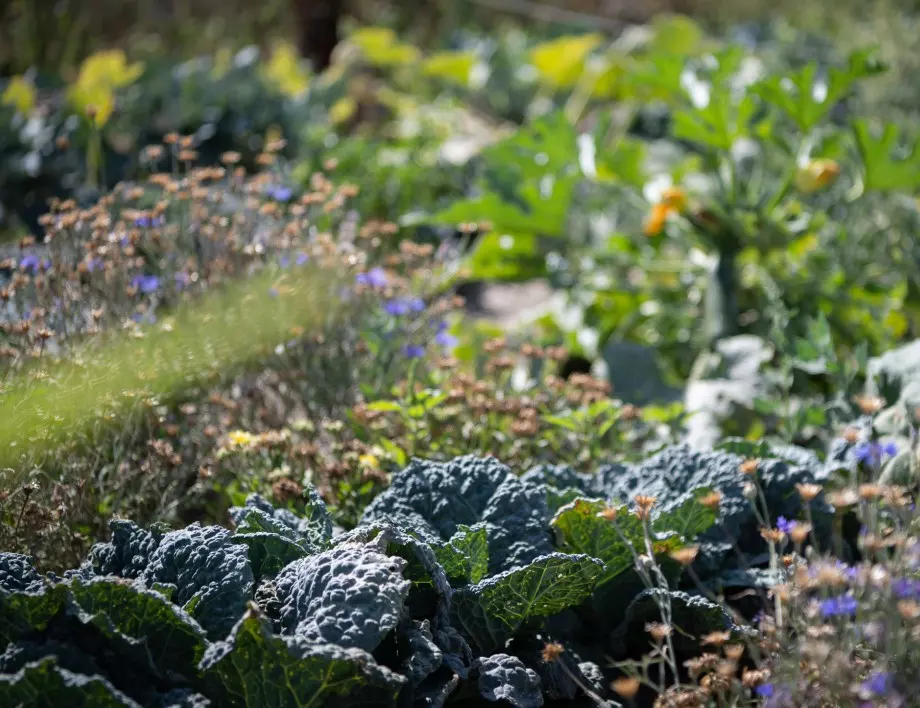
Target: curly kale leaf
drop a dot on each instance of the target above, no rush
(181, 698)
(422, 655)
(678, 473)
(465, 556)
(127, 554)
(43, 684)
(434, 499)
(17, 574)
(254, 668)
(492, 611)
(351, 596)
(269, 552)
(313, 531)
(505, 678)
(171, 637)
(211, 574)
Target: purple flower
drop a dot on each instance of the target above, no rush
(765, 690)
(374, 278)
(415, 351)
(906, 588)
(30, 262)
(279, 192)
(445, 339)
(94, 264)
(416, 304)
(146, 283)
(273, 292)
(145, 222)
(877, 684)
(301, 259)
(284, 261)
(872, 453)
(784, 525)
(397, 308)
(182, 280)
(839, 606)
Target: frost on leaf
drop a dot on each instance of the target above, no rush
(505, 678)
(435, 499)
(492, 611)
(254, 668)
(43, 683)
(350, 595)
(211, 574)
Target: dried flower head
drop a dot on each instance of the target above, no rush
(869, 405)
(711, 500)
(750, 466)
(644, 505)
(658, 630)
(716, 638)
(627, 686)
(808, 491)
(552, 651)
(609, 513)
(685, 556)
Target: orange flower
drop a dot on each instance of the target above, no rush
(654, 225)
(816, 174)
(673, 201)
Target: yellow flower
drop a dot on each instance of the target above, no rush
(284, 69)
(240, 438)
(100, 76)
(675, 198)
(815, 175)
(20, 94)
(369, 461)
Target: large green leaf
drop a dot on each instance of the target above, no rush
(465, 556)
(173, 639)
(688, 519)
(581, 529)
(492, 611)
(43, 684)
(29, 611)
(254, 668)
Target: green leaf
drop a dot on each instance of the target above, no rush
(675, 34)
(456, 67)
(561, 422)
(465, 556)
(43, 684)
(172, 637)
(493, 611)
(254, 668)
(270, 552)
(882, 171)
(385, 406)
(581, 530)
(506, 257)
(561, 61)
(25, 612)
(395, 451)
(689, 519)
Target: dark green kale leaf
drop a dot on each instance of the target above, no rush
(43, 684)
(254, 668)
(492, 611)
(350, 595)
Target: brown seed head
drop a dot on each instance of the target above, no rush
(627, 686)
(750, 466)
(609, 513)
(711, 500)
(685, 556)
(658, 630)
(552, 651)
(808, 491)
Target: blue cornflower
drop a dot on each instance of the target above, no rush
(765, 690)
(906, 588)
(872, 453)
(416, 304)
(415, 351)
(840, 605)
(301, 259)
(94, 264)
(877, 684)
(784, 525)
(30, 262)
(397, 308)
(284, 261)
(445, 339)
(279, 192)
(374, 278)
(146, 283)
